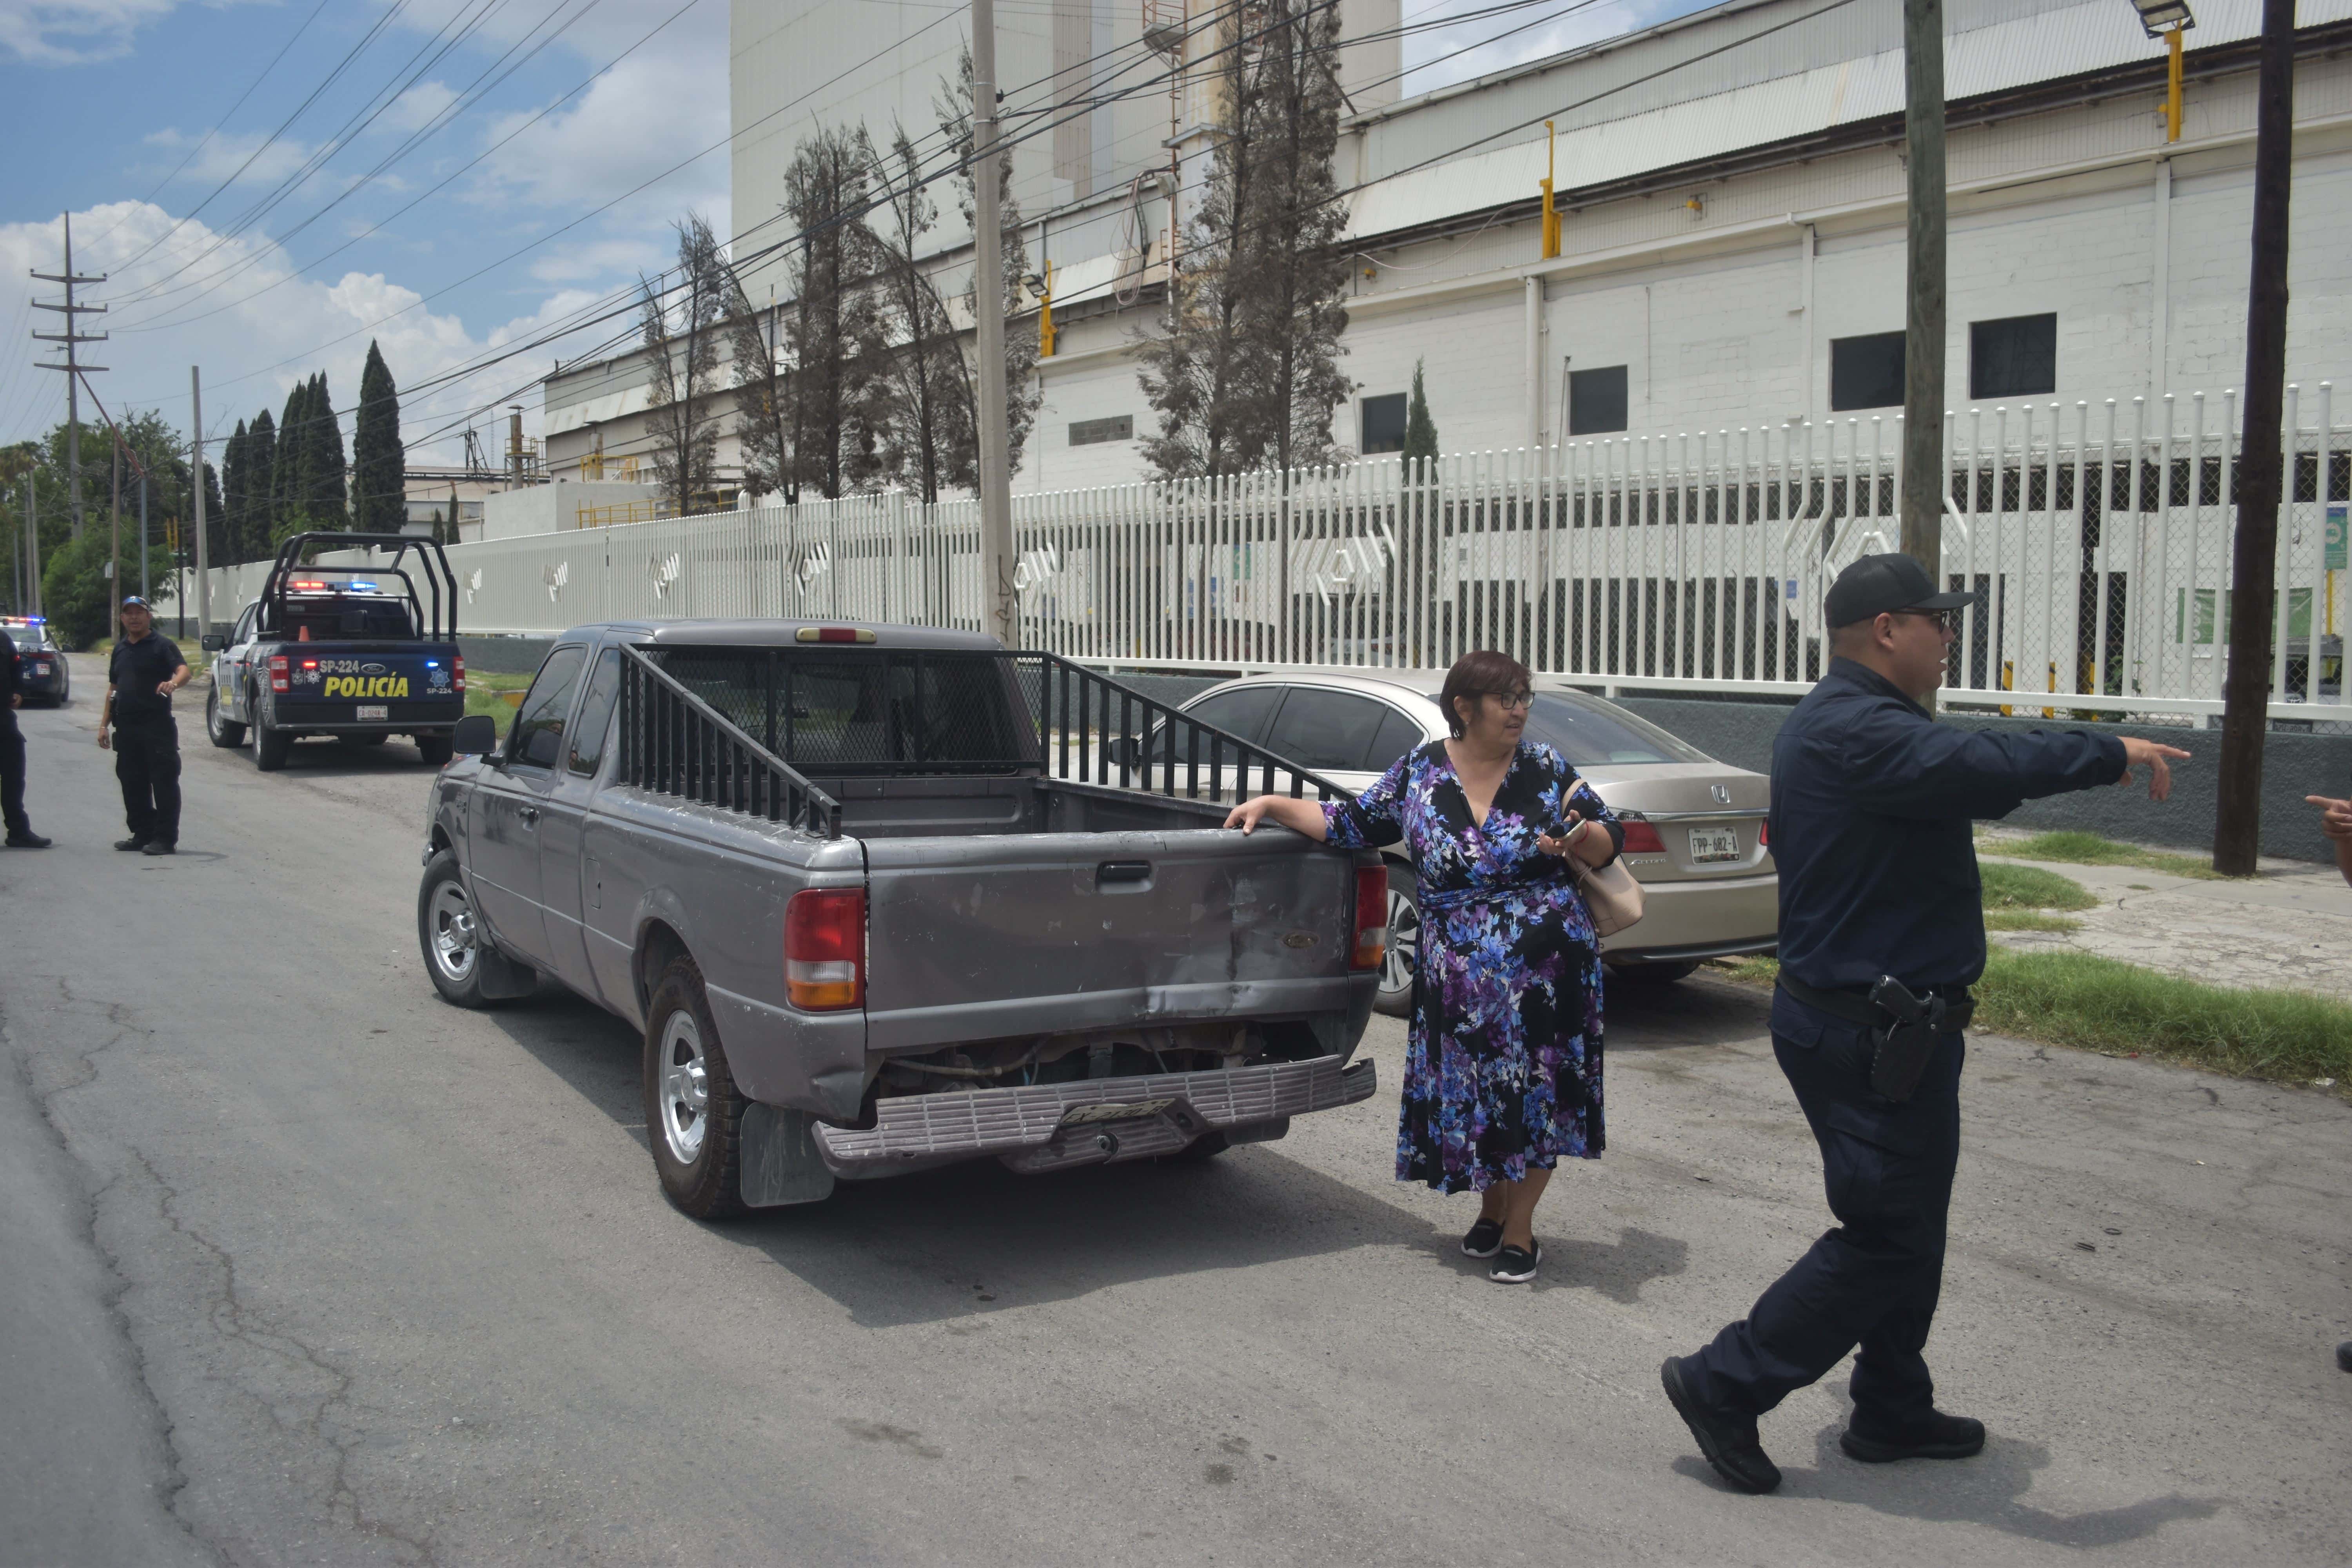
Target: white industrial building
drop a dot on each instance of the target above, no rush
(1732, 190)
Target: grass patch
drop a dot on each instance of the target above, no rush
(2078, 848)
(2027, 919)
(2030, 888)
(488, 694)
(2101, 1005)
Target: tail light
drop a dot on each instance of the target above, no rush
(1371, 917)
(1764, 833)
(278, 679)
(460, 671)
(1641, 839)
(825, 949)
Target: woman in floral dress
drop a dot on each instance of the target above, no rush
(1503, 1066)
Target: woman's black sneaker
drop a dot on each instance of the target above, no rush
(1515, 1265)
(1485, 1239)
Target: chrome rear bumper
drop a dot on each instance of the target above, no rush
(1090, 1122)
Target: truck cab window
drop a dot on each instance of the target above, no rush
(596, 714)
(538, 738)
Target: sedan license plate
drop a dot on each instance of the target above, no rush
(379, 712)
(42, 668)
(1712, 844)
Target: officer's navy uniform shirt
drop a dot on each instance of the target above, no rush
(1872, 801)
(137, 668)
(11, 680)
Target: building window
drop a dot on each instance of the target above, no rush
(1866, 371)
(1383, 424)
(1596, 400)
(2016, 356)
(1093, 432)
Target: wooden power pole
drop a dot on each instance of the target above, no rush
(999, 602)
(2254, 561)
(1923, 320)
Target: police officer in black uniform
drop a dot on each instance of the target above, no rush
(12, 754)
(1882, 933)
(145, 670)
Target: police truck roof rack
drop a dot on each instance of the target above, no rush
(437, 574)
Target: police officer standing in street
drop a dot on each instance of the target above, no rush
(12, 754)
(1882, 933)
(144, 672)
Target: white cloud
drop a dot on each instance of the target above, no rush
(225, 155)
(309, 324)
(418, 107)
(638, 120)
(74, 32)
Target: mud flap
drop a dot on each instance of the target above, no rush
(780, 1161)
(502, 979)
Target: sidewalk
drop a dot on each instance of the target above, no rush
(2288, 928)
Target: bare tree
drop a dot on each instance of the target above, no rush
(763, 414)
(926, 388)
(836, 336)
(1020, 369)
(680, 330)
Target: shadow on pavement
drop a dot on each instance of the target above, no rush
(317, 758)
(1984, 1491)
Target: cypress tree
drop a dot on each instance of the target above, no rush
(329, 498)
(1420, 429)
(256, 518)
(378, 502)
(289, 482)
(224, 529)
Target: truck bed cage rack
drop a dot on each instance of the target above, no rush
(673, 743)
(437, 574)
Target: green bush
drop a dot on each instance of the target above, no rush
(78, 596)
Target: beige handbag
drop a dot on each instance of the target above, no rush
(1611, 895)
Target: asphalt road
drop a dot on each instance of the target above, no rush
(298, 1264)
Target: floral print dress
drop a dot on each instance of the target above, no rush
(1503, 1062)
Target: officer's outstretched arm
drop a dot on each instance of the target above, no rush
(1930, 770)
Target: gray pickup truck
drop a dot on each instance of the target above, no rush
(884, 898)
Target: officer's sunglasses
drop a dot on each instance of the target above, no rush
(1947, 620)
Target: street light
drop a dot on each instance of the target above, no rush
(2167, 20)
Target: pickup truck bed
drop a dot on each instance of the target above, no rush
(1048, 969)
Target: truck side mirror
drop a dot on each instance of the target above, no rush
(477, 735)
(212, 642)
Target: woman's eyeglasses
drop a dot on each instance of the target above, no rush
(1510, 700)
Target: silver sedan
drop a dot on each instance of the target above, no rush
(1695, 827)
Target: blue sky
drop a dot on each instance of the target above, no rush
(265, 238)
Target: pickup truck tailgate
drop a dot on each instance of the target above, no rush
(981, 938)
(349, 673)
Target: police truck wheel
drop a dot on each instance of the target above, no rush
(450, 933)
(1395, 995)
(434, 750)
(270, 746)
(693, 1116)
(221, 730)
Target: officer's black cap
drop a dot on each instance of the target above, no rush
(1876, 585)
(135, 603)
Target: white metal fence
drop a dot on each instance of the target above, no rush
(2096, 536)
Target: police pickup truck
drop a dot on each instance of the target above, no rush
(352, 652)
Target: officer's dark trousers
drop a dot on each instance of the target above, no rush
(1874, 1280)
(147, 764)
(12, 775)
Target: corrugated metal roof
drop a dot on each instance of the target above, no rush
(1837, 69)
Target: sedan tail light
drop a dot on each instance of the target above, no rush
(278, 679)
(1371, 917)
(1641, 839)
(825, 949)
(1764, 832)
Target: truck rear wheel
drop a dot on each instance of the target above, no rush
(434, 750)
(270, 745)
(450, 933)
(694, 1115)
(221, 730)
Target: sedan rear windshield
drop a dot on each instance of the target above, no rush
(1589, 732)
(862, 712)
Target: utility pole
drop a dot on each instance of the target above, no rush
(33, 540)
(143, 533)
(1923, 321)
(73, 367)
(204, 554)
(114, 543)
(2254, 562)
(1000, 603)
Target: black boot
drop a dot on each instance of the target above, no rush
(1934, 1436)
(1727, 1440)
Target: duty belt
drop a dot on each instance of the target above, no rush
(1854, 1007)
